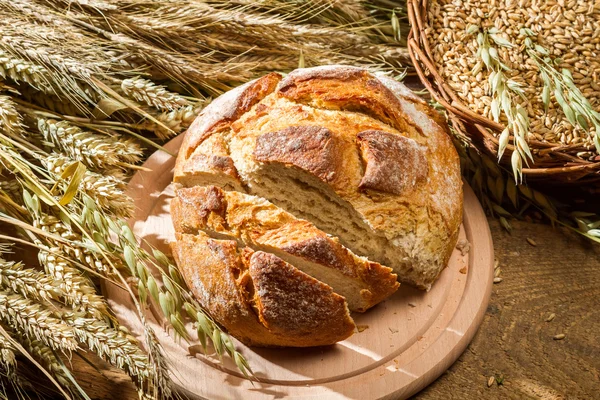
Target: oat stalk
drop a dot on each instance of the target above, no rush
(574, 104)
(504, 92)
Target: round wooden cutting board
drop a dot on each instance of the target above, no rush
(401, 345)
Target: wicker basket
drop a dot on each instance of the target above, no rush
(553, 163)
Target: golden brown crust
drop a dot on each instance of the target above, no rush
(394, 163)
(344, 88)
(218, 116)
(281, 291)
(311, 148)
(193, 207)
(210, 158)
(219, 278)
(264, 225)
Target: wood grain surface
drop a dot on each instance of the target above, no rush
(560, 275)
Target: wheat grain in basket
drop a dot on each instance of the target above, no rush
(523, 74)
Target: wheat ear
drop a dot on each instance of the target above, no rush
(28, 282)
(98, 152)
(152, 94)
(36, 321)
(111, 344)
(78, 291)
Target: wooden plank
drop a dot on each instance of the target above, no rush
(560, 275)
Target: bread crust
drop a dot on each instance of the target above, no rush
(259, 298)
(311, 148)
(394, 163)
(214, 118)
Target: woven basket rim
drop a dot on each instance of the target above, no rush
(564, 163)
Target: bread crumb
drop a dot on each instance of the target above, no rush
(362, 327)
(463, 270)
(393, 330)
(412, 305)
(463, 246)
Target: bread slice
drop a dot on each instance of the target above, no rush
(257, 223)
(259, 298)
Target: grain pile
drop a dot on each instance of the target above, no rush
(547, 53)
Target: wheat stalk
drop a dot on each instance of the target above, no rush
(112, 345)
(20, 70)
(107, 190)
(53, 102)
(177, 121)
(153, 95)
(76, 248)
(97, 152)
(77, 290)
(28, 282)
(36, 321)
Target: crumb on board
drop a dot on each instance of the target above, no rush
(393, 330)
(362, 327)
(463, 246)
(463, 270)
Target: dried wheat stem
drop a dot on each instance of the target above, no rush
(152, 94)
(98, 152)
(36, 321)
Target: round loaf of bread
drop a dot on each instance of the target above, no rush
(344, 177)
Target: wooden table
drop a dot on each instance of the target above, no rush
(560, 275)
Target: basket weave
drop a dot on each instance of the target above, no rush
(553, 163)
